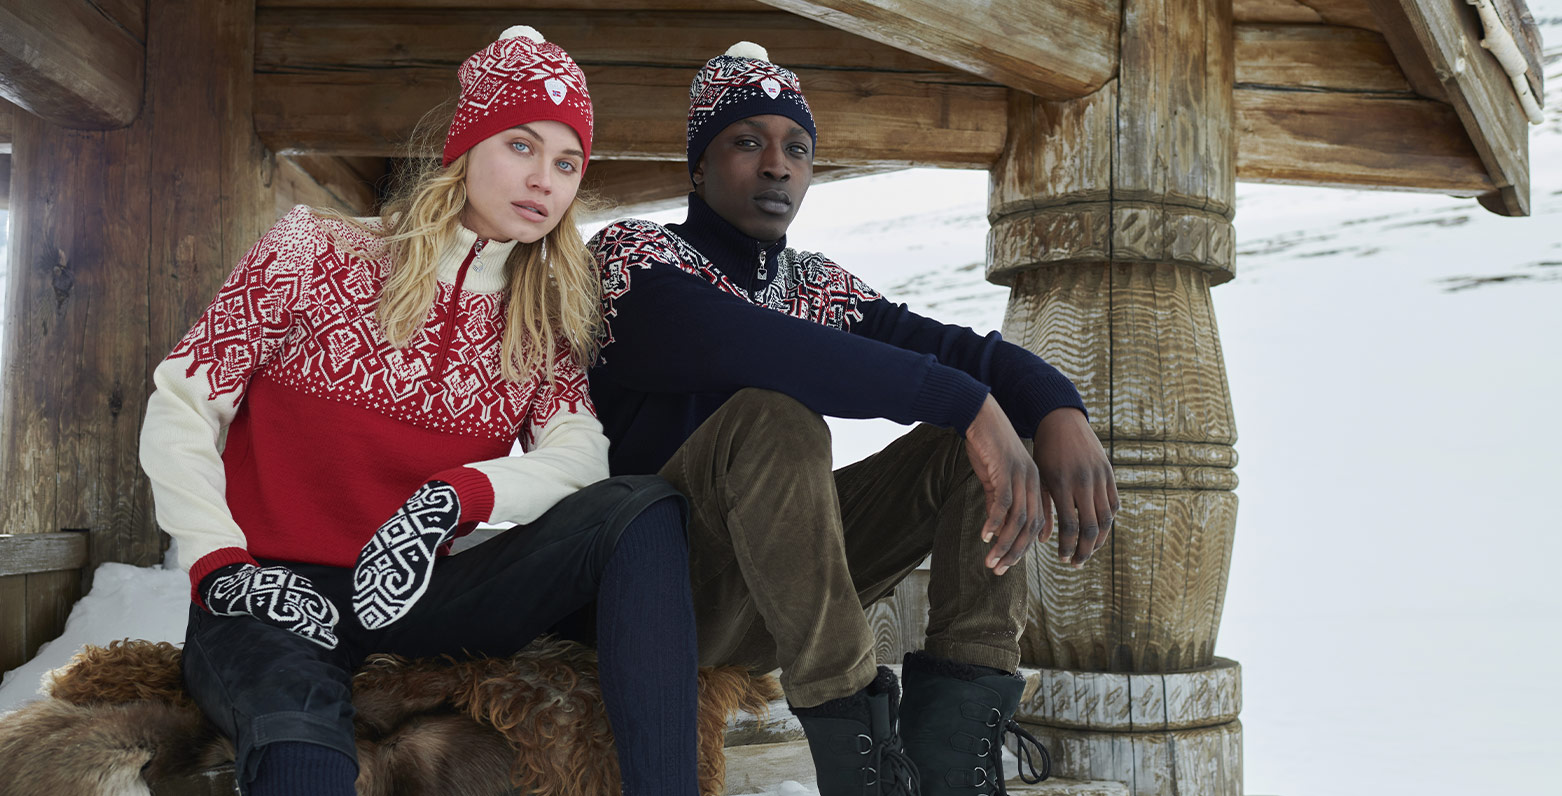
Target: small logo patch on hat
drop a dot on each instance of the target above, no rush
(556, 89)
(771, 86)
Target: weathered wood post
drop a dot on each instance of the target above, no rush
(1111, 219)
(120, 238)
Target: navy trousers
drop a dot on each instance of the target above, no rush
(261, 684)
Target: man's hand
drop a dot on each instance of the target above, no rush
(274, 595)
(1077, 477)
(1016, 512)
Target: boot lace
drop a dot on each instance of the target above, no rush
(1024, 756)
(888, 768)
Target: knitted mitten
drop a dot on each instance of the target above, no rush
(394, 568)
(274, 595)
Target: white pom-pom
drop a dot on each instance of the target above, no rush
(521, 30)
(748, 49)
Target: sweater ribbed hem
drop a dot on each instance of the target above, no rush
(949, 398)
(213, 561)
(1042, 396)
(474, 489)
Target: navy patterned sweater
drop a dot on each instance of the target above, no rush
(696, 311)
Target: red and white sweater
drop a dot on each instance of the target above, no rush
(284, 425)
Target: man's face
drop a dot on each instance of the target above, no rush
(754, 174)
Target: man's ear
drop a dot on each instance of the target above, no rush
(699, 175)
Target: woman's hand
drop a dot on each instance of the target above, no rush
(274, 595)
(395, 567)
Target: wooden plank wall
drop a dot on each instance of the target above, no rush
(119, 238)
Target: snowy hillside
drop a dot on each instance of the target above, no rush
(1396, 368)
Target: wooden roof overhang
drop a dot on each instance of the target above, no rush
(1393, 94)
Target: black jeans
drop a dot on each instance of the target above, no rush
(261, 684)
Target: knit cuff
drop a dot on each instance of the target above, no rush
(213, 561)
(1040, 397)
(474, 490)
(949, 398)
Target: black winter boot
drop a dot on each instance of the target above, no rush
(854, 743)
(954, 718)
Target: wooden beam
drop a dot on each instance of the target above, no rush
(874, 104)
(1323, 57)
(5, 182)
(511, 5)
(1055, 50)
(1351, 13)
(345, 184)
(1442, 38)
(70, 63)
(1354, 140)
(6, 110)
(27, 553)
(636, 187)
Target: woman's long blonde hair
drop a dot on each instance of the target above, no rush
(552, 299)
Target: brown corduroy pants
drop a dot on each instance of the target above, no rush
(785, 554)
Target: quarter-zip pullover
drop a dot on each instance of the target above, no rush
(285, 426)
(694, 312)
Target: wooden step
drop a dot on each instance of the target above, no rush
(759, 768)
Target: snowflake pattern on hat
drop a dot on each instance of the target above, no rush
(732, 87)
(514, 81)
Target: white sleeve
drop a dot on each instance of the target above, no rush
(199, 386)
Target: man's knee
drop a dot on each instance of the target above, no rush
(778, 424)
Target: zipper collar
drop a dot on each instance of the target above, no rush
(750, 261)
(474, 264)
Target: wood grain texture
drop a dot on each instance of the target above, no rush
(1442, 37)
(1303, 138)
(873, 103)
(68, 62)
(1111, 220)
(24, 554)
(75, 342)
(510, 5)
(1317, 57)
(1198, 762)
(50, 596)
(1350, 13)
(637, 187)
(1140, 702)
(13, 622)
(128, 14)
(327, 181)
(1059, 50)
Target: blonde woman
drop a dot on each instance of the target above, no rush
(353, 371)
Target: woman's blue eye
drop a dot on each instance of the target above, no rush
(521, 146)
(565, 165)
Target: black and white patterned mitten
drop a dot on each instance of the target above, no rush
(274, 595)
(395, 567)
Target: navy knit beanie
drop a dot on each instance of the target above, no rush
(739, 84)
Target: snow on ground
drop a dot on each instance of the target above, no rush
(125, 602)
(1395, 364)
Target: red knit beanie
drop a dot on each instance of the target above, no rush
(518, 79)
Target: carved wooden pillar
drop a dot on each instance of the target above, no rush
(1111, 219)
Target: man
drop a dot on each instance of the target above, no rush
(722, 349)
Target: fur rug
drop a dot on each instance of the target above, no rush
(117, 718)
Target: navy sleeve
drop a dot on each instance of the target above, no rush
(1025, 385)
(671, 331)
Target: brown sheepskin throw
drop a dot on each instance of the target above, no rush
(118, 717)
